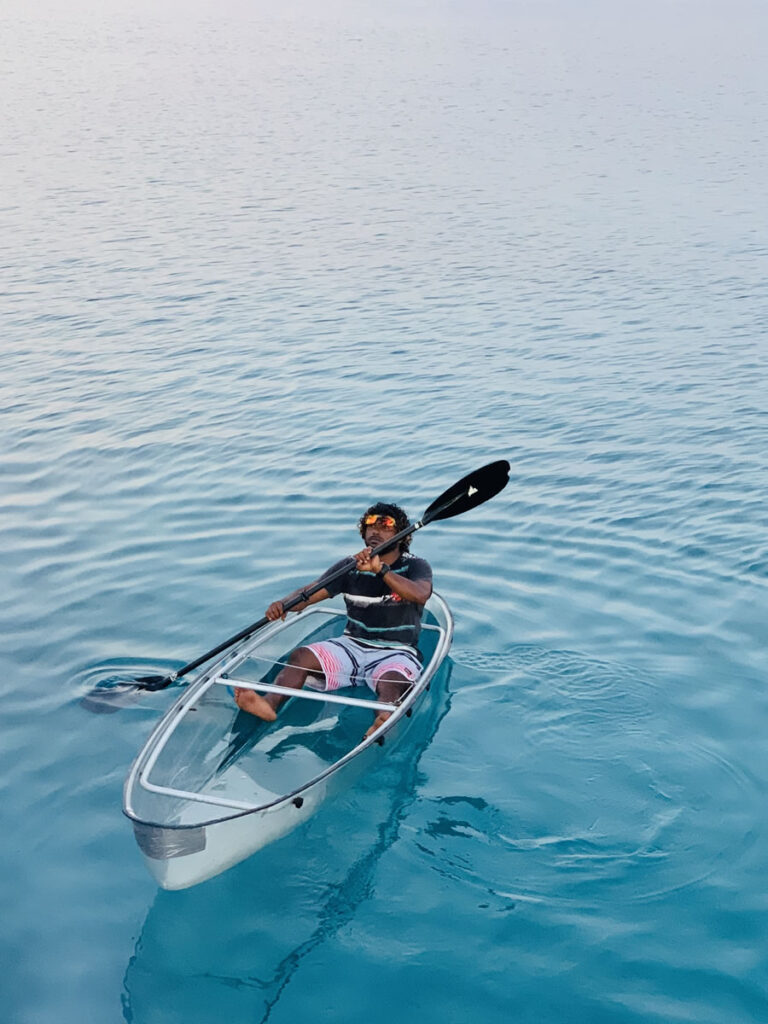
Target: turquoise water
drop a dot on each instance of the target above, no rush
(261, 267)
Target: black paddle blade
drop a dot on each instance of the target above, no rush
(118, 692)
(109, 696)
(154, 682)
(471, 491)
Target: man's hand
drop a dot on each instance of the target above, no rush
(275, 611)
(365, 563)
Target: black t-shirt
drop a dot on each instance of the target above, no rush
(375, 615)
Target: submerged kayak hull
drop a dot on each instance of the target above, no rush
(212, 786)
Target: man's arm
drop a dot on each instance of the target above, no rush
(277, 611)
(417, 591)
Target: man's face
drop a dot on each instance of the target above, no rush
(378, 530)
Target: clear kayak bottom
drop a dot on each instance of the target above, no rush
(212, 785)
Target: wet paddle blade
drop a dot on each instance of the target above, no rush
(110, 695)
(117, 692)
(471, 491)
(155, 682)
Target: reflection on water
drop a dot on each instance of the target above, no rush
(246, 921)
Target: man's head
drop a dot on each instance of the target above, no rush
(382, 521)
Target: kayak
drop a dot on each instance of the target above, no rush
(213, 784)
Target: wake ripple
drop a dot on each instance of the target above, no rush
(581, 783)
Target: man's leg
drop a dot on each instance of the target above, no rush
(390, 687)
(301, 663)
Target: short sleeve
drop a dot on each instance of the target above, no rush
(336, 586)
(419, 569)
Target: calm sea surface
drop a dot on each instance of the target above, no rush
(261, 265)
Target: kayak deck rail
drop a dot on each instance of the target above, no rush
(307, 694)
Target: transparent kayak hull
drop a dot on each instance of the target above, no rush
(212, 784)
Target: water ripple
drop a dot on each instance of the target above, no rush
(650, 807)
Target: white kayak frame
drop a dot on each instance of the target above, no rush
(220, 675)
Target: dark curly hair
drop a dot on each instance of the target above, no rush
(385, 508)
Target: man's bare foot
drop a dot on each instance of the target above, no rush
(380, 719)
(254, 704)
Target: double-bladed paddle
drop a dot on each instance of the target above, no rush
(469, 492)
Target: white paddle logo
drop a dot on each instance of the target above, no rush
(472, 490)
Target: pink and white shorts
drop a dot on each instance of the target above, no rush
(347, 662)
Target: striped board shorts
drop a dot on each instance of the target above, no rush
(347, 662)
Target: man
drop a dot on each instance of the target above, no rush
(385, 597)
